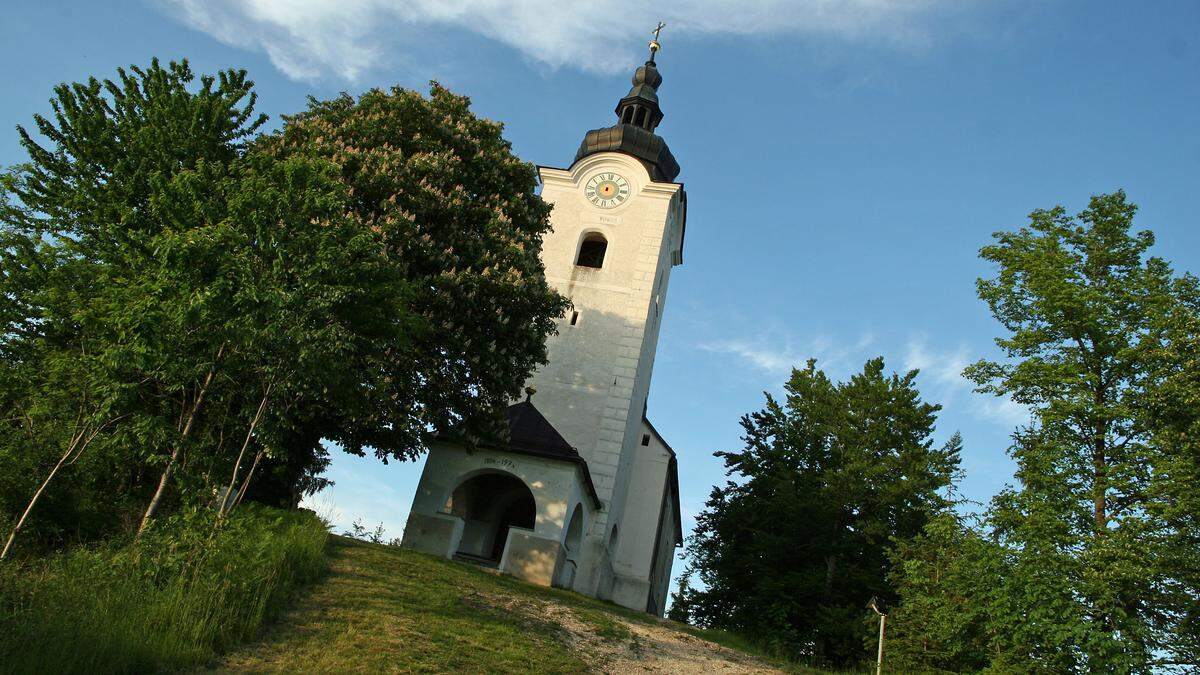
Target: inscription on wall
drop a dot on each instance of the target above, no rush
(600, 219)
(501, 462)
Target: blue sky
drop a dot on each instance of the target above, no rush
(844, 160)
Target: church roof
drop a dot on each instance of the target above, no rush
(530, 433)
(638, 114)
(644, 145)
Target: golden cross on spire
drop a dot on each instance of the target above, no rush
(654, 46)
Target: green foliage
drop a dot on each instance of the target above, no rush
(1173, 498)
(187, 306)
(682, 599)
(97, 326)
(1089, 564)
(792, 551)
(360, 532)
(188, 589)
(457, 213)
(944, 579)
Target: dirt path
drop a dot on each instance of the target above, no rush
(633, 646)
(382, 609)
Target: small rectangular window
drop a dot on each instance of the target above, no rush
(645, 439)
(574, 318)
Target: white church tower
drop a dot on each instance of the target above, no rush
(584, 494)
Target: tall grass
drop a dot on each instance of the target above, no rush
(184, 592)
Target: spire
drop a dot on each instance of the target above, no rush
(640, 106)
(654, 46)
(638, 115)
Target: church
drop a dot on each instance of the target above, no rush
(584, 495)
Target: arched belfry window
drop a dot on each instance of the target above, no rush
(591, 252)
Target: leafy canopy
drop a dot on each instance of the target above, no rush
(793, 549)
(1089, 563)
(458, 217)
(206, 304)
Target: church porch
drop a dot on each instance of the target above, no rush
(522, 515)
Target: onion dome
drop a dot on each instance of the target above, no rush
(638, 115)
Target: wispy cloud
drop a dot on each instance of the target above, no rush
(1002, 411)
(777, 354)
(943, 367)
(942, 377)
(308, 39)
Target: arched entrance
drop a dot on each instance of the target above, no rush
(490, 504)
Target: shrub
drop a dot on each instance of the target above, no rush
(187, 590)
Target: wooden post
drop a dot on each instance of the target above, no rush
(879, 658)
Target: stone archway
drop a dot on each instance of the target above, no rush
(490, 504)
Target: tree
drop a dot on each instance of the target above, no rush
(944, 579)
(97, 327)
(1173, 500)
(1097, 347)
(681, 599)
(218, 304)
(460, 219)
(794, 548)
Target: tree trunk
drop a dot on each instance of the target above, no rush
(249, 474)
(75, 441)
(1100, 471)
(237, 466)
(187, 429)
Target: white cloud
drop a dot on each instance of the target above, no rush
(941, 379)
(944, 368)
(779, 354)
(307, 39)
(1002, 411)
(943, 382)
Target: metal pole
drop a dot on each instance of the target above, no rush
(879, 659)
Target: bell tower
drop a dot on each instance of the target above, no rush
(582, 492)
(618, 230)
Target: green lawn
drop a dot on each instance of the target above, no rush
(386, 609)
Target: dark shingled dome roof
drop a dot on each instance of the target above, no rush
(647, 146)
(638, 114)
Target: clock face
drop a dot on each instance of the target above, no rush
(607, 190)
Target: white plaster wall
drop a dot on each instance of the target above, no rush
(556, 485)
(594, 388)
(643, 507)
(640, 561)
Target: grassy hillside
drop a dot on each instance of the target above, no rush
(386, 609)
(182, 593)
